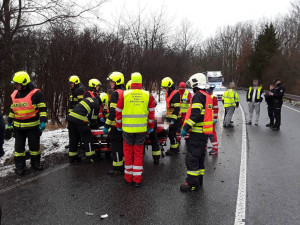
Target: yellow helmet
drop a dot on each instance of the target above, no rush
(74, 79)
(167, 82)
(128, 85)
(136, 78)
(104, 98)
(116, 77)
(94, 83)
(21, 77)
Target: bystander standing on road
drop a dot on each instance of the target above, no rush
(231, 101)
(270, 102)
(254, 98)
(277, 94)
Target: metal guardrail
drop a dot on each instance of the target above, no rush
(292, 97)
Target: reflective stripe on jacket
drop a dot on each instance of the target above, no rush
(205, 126)
(171, 106)
(185, 104)
(230, 98)
(257, 94)
(23, 108)
(135, 111)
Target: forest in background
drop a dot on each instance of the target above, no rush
(48, 40)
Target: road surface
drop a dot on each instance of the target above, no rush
(81, 193)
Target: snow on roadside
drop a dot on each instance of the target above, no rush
(51, 142)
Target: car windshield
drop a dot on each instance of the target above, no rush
(215, 79)
(220, 89)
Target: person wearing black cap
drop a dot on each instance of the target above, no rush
(277, 94)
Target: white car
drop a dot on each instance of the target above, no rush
(219, 91)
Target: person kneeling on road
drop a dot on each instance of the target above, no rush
(199, 119)
(135, 116)
(79, 121)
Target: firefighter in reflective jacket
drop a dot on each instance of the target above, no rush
(135, 116)
(213, 137)
(116, 82)
(199, 120)
(93, 90)
(77, 91)
(185, 99)
(79, 122)
(28, 116)
(156, 152)
(173, 113)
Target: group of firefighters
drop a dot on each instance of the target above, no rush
(127, 115)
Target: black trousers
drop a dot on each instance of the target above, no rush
(116, 140)
(172, 135)
(2, 130)
(195, 158)
(154, 141)
(271, 114)
(277, 115)
(33, 136)
(80, 131)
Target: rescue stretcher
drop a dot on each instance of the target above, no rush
(101, 142)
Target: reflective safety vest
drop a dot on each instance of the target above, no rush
(23, 107)
(185, 105)
(170, 107)
(258, 93)
(135, 111)
(230, 98)
(206, 126)
(90, 92)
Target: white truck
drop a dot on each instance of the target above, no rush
(216, 79)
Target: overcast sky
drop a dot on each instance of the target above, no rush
(206, 15)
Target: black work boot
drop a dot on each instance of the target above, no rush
(20, 165)
(73, 159)
(116, 171)
(186, 187)
(269, 125)
(156, 161)
(36, 163)
(172, 151)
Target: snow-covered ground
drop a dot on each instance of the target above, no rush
(54, 142)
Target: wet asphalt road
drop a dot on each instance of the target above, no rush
(67, 195)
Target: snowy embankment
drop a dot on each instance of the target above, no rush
(52, 142)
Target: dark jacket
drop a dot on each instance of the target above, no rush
(279, 91)
(76, 96)
(37, 100)
(2, 130)
(269, 99)
(88, 108)
(250, 92)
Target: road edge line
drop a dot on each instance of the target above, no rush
(240, 213)
(291, 108)
(33, 178)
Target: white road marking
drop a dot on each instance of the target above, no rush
(291, 108)
(34, 178)
(240, 212)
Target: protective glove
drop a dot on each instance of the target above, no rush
(172, 122)
(183, 99)
(105, 130)
(150, 130)
(42, 126)
(119, 129)
(102, 120)
(183, 133)
(215, 121)
(8, 126)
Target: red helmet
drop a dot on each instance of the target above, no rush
(182, 85)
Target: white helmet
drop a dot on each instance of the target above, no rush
(198, 80)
